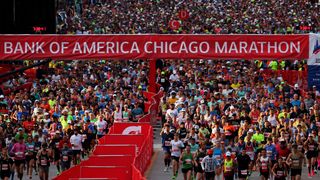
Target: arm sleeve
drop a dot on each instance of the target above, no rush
(202, 163)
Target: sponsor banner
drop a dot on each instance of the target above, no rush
(70, 47)
(314, 61)
(314, 49)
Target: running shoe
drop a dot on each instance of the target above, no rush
(312, 172)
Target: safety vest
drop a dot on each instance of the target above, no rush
(228, 166)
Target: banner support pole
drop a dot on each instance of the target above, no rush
(152, 76)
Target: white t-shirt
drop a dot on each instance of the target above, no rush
(272, 120)
(101, 126)
(172, 113)
(76, 140)
(176, 151)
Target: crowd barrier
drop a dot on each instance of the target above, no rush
(124, 153)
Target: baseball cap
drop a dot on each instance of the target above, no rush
(210, 152)
(296, 85)
(228, 154)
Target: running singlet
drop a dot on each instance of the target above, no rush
(228, 167)
(279, 171)
(264, 164)
(44, 160)
(250, 151)
(296, 163)
(187, 161)
(217, 154)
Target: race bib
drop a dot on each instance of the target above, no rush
(295, 163)
(188, 161)
(269, 153)
(175, 150)
(264, 166)
(30, 147)
(57, 145)
(167, 143)
(65, 158)
(163, 80)
(19, 154)
(218, 157)
(244, 172)
(5, 167)
(44, 162)
(280, 173)
(311, 147)
(228, 133)
(228, 169)
(266, 134)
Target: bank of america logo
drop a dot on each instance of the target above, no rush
(316, 49)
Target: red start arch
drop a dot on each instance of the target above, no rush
(151, 47)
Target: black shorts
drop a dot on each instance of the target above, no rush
(209, 175)
(295, 172)
(186, 170)
(175, 158)
(18, 162)
(166, 149)
(5, 174)
(198, 169)
(76, 152)
(57, 156)
(312, 154)
(228, 177)
(243, 176)
(29, 158)
(265, 174)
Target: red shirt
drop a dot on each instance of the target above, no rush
(61, 143)
(28, 125)
(282, 152)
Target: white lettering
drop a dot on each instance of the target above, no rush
(261, 46)
(146, 47)
(193, 49)
(286, 46)
(183, 47)
(233, 47)
(253, 47)
(64, 46)
(202, 44)
(295, 47)
(77, 48)
(170, 47)
(110, 47)
(218, 48)
(274, 46)
(89, 49)
(54, 47)
(18, 48)
(135, 48)
(122, 47)
(243, 47)
(100, 47)
(8, 47)
(39, 47)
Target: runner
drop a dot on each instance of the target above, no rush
(19, 150)
(210, 165)
(311, 148)
(229, 167)
(279, 170)
(187, 163)
(264, 162)
(294, 161)
(243, 161)
(66, 156)
(76, 142)
(166, 136)
(37, 147)
(176, 145)
(44, 157)
(54, 145)
(30, 156)
(200, 154)
(6, 164)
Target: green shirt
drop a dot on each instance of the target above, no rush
(258, 138)
(187, 161)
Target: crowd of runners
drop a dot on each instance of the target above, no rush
(56, 123)
(226, 119)
(205, 16)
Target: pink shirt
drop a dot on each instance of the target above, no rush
(19, 151)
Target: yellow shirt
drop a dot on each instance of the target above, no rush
(235, 86)
(64, 123)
